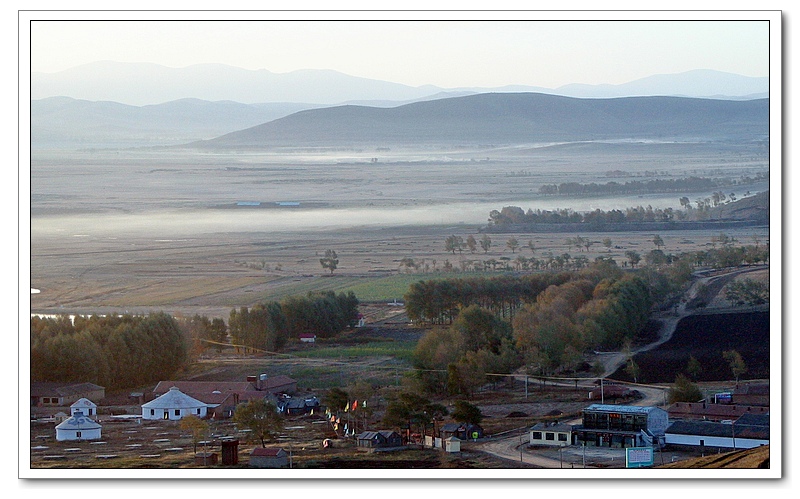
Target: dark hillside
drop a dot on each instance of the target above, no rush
(485, 119)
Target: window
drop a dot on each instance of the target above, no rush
(549, 436)
(166, 414)
(562, 437)
(78, 434)
(177, 412)
(152, 412)
(536, 435)
(198, 410)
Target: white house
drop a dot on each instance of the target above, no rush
(551, 434)
(85, 406)
(174, 405)
(78, 427)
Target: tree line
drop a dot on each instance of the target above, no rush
(269, 325)
(439, 301)
(689, 184)
(111, 351)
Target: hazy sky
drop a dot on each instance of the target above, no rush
(446, 53)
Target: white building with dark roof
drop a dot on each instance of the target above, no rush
(174, 405)
(78, 427)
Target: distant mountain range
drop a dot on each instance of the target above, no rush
(507, 118)
(144, 83)
(112, 105)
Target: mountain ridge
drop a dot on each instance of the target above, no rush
(149, 83)
(505, 118)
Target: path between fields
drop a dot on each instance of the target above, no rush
(512, 447)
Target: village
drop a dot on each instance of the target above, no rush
(606, 425)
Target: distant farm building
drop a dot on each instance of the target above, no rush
(63, 394)
(308, 338)
(174, 405)
(78, 427)
(84, 406)
(268, 458)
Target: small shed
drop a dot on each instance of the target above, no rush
(78, 427)
(452, 444)
(308, 338)
(85, 406)
(268, 458)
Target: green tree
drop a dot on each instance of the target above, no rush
(472, 244)
(454, 243)
(693, 368)
(658, 241)
(684, 390)
(747, 292)
(330, 261)
(464, 412)
(336, 399)
(512, 244)
(633, 257)
(260, 417)
(736, 363)
(196, 427)
(607, 243)
(486, 243)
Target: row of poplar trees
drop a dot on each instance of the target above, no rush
(112, 351)
(269, 325)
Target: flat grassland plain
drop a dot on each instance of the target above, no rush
(139, 230)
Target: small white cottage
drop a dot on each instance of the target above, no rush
(174, 405)
(85, 406)
(78, 427)
(452, 444)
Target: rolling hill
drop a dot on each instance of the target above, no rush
(508, 118)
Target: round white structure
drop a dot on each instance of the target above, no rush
(173, 405)
(78, 427)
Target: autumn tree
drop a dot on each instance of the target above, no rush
(260, 417)
(196, 427)
(735, 362)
